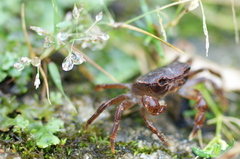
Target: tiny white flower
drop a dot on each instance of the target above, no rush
(37, 81)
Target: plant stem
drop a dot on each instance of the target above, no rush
(156, 10)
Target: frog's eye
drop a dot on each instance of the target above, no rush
(162, 81)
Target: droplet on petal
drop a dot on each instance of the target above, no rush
(47, 42)
(25, 60)
(62, 36)
(99, 16)
(85, 44)
(193, 5)
(19, 66)
(77, 58)
(75, 12)
(67, 64)
(36, 62)
(105, 37)
(39, 30)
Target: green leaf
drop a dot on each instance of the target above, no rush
(43, 134)
(3, 75)
(7, 61)
(201, 153)
(216, 150)
(64, 24)
(55, 76)
(18, 122)
(21, 122)
(213, 151)
(47, 139)
(224, 151)
(56, 17)
(54, 73)
(54, 125)
(113, 64)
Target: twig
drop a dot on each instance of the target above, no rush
(124, 25)
(95, 64)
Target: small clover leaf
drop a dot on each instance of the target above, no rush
(43, 134)
(215, 150)
(47, 139)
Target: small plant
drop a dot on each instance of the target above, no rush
(73, 31)
(81, 30)
(42, 134)
(218, 146)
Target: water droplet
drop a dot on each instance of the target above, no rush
(25, 60)
(75, 12)
(105, 37)
(77, 58)
(67, 64)
(47, 42)
(193, 5)
(39, 30)
(99, 16)
(36, 62)
(62, 36)
(19, 66)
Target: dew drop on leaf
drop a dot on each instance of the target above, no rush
(39, 30)
(77, 58)
(67, 64)
(36, 62)
(19, 66)
(99, 17)
(193, 5)
(25, 60)
(62, 36)
(104, 37)
(75, 12)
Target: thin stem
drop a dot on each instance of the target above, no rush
(235, 23)
(56, 17)
(95, 64)
(156, 10)
(211, 104)
(123, 25)
(46, 84)
(107, 12)
(32, 53)
(205, 31)
(91, 27)
(219, 126)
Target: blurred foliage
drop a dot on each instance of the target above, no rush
(117, 50)
(17, 118)
(126, 55)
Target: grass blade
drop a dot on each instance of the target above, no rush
(54, 73)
